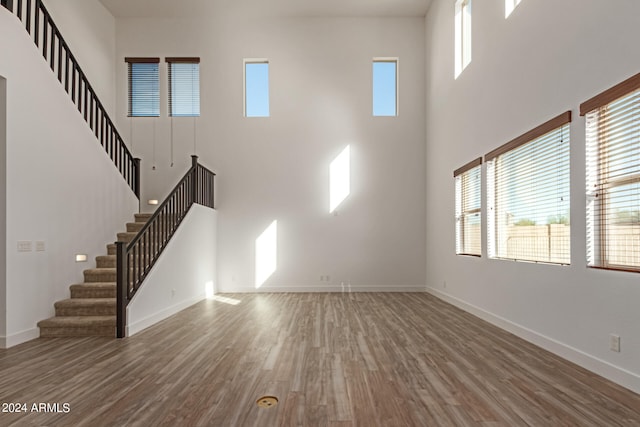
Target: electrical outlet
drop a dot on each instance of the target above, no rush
(444, 284)
(614, 343)
(328, 278)
(173, 292)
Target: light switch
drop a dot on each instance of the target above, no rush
(39, 246)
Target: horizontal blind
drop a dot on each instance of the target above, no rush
(613, 184)
(144, 87)
(528, 190)
(468, 212)
(184, 87)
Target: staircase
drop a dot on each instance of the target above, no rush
(91, 310)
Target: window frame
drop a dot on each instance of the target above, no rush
(131, 61)
(248, 61)
(181, 60)
(461, 210)
(599, 184)
(396, 62)
(493, 160)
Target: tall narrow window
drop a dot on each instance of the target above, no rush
(528, 195)
(144, 87)
(509, 6)
(613, 177)
(462, 36)
(385, 87)
(468, 208)
(184, 87)
(256, 88)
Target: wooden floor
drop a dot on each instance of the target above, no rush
(361, 359)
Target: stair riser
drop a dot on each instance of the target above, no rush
(142, 217)
(86, 311)
(105, 262)
(134, 227)
(93, 293)
(125, 237)
(92, 277)
(101, 331)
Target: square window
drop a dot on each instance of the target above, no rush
(528, 196)
(385, 87)
(468, 209)
(184, 87)
(256, 88)
(613, 177)
(144, 87)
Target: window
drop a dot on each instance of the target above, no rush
(613, 177)
(462, 36)
(385, 87)
(144, 88)
(528, 195)
(256, 88)
(184, 87)
(468, 213)
(509, 6)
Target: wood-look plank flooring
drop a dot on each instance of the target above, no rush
(360, 359)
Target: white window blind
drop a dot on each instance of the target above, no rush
(184, 87)
(528, 195)
(144, 87)
(613, 178)
(468, 208)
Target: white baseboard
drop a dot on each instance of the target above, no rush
(19, 338)
(598, 366)
(134, 328)
(315, 289)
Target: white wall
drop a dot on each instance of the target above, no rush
(546, 58)
(181, 274)
(3, 207)
(277, 168)
(61, 187)
(90, 31)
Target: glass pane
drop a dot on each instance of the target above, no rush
(185, 89)
(384, 88)
(257, 89)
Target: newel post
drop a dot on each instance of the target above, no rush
(136, 184)
(194, 181)
(121, 289)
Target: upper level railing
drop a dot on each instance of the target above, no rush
(135, 260)
(56, 52)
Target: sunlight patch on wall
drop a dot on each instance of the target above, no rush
(339, 179)
(266, 253)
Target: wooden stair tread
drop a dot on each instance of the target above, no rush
(77, 321)
(94, 285)
(99, 270)
(85, 302)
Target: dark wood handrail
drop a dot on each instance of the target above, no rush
(135, 259)
(63, 63)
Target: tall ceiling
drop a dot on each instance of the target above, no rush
(185, 8)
